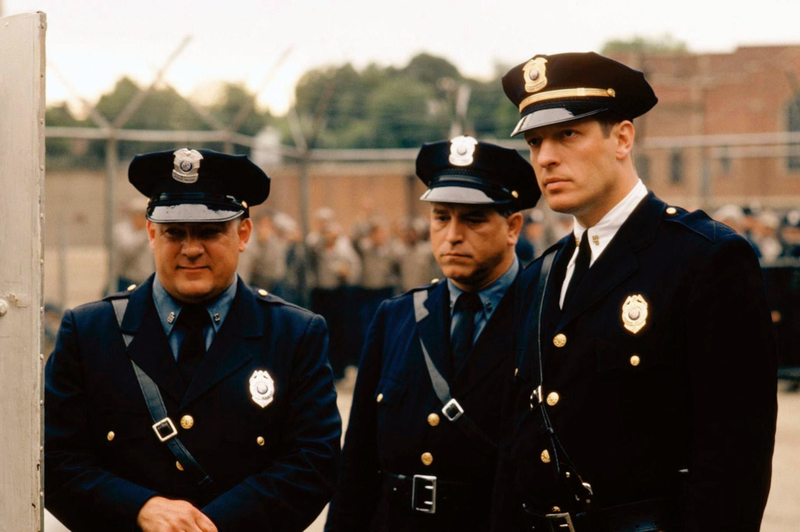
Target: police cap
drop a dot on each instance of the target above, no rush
(188, 185)
(463, 170)
(550, 89)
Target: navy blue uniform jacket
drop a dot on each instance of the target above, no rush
(95, 482)
(694, 389)
(389, 430)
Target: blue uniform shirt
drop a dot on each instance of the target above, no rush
(169, 309)
(490, 297)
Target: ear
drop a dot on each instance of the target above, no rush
(244, 230)
(151, 232)
(514, 227)
(624, 135)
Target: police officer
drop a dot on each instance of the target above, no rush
(421, 447)
(191, 402)
(645, 390)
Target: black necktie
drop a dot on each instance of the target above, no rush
(467, 305)
(192, 319)
(581, 267)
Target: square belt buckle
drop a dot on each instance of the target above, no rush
(165, 429)
(424, 486)
(561, 522)
(452, 410)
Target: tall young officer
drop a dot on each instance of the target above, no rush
(645, 394)
(421, 448)
(193, 402)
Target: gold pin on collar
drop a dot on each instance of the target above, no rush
(634, 313)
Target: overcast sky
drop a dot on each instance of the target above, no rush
(94, 42)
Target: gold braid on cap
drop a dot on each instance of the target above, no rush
(580, 92)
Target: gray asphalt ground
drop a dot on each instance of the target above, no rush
(783, 508)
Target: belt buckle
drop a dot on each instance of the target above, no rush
(165, 423)
(452, 410)
(426, 484)
(560, 522)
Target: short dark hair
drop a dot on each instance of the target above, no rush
(608, 120)
(505, 210)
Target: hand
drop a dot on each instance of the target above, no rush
(165, 515)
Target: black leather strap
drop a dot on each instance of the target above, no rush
(641, 516)
(160, 417)
(452, 410)
(452, 497)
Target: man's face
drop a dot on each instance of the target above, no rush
(197, 261)
(577, 167)
(473, 244)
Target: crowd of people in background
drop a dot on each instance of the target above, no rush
(347, 274)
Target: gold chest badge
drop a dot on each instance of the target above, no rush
(634, 313)
(535, 73)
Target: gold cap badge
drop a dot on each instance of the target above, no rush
(462, 150)
(535, 73)
(634, 313)
(187, 165)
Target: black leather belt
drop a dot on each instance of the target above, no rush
(431, 495)
(643, 516)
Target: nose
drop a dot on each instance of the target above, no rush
(192, 247)
(546, 154)
(454, 231)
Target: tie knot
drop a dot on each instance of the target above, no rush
(194, 317)
(468, 302)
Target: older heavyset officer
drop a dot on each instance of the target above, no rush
(420, 452)
(193, 402)
(645, 395)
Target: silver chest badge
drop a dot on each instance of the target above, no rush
(262, 388)
(634, 313)
(187, 164)
(462, 150)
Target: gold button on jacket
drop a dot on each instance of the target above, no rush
(546, 456)
(110, 435)
(187, 421)
(260, 441)
(179, 466)
(427, 458)
(552, 398)
(433, 419)
(560, 340)
(635, 360)
(379, 398)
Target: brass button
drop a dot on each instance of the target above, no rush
(556, 509)
(244, 204)
(516, 371)
(260, 441)
(131, 288)
(515, 194)
(179, 466)
(635, 360)
(546, 456)
(379, 398)
(552, 398)
(671, 210)
(110, 435)
(433, 419)
(262, 292)
(434, 280)
(560, 340)
(427, 458)
(187, 421)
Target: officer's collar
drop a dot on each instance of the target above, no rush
(168, 308)
(492, 295)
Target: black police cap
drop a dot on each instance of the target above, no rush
(187, 185)
(550, 89)
(463, 170)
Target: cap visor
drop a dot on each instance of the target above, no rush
(547, 117)
(191, 212)
(466, 195)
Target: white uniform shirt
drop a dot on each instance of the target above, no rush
(603, 231)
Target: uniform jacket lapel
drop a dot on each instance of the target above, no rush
(236, 344)
(618, 261)
(434, 329)
(150, 347)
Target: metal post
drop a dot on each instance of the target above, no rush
(112, 163)
(22, 106)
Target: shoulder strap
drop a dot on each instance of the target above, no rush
(451, 410)
(162, 425)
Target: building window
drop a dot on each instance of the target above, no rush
(676, 167)
(793, 122)
(643, 167)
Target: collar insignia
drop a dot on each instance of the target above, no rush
(462, 151)
(187, 165)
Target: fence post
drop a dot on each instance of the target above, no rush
(22, 105)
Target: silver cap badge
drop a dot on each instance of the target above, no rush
(187, 165)
(262, 388)
(462, 150)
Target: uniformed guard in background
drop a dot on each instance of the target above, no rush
(191, 402)
(645, 388)
(421, 447)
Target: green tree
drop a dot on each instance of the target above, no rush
(663, 45)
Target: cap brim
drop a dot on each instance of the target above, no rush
(471, 196)
(555, 115)
(191, 212)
